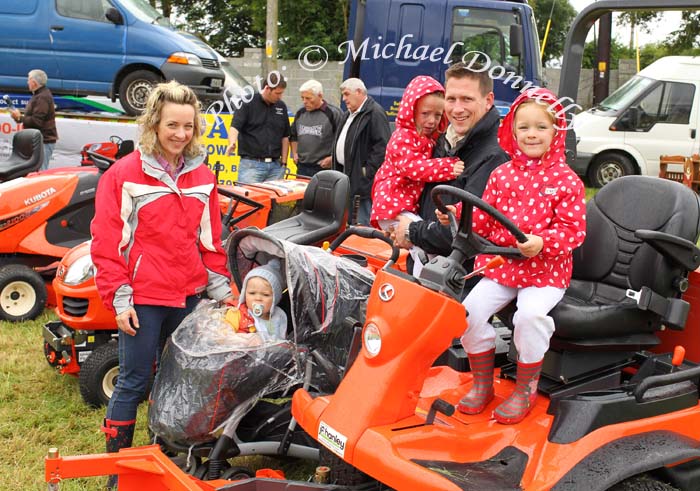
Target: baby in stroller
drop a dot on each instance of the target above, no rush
(258, 318)
(215, 397)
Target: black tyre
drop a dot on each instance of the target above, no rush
(237, 473)
(642, 482)
(135, 89)
(22, 293)
(609, 166)
(342, 473)
(98, 375)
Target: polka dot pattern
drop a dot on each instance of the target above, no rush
(407, 165)
(542, 197)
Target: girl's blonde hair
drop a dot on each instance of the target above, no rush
(547, 108)
(175, 93)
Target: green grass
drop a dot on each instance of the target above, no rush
(39, 409)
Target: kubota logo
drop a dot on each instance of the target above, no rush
(39, 196)
(386, 292)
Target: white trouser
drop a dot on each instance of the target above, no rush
(416, 252)
(532, 326)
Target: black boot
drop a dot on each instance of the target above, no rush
(119, 435)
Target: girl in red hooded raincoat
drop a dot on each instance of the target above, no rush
(407, 165)
(546, 200)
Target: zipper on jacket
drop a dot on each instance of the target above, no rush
(136, 267)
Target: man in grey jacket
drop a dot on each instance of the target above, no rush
(313, 130)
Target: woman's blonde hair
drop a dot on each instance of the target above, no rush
(150, 119)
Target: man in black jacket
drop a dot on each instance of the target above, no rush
(360, 144)
(40, 113)
(473, 137)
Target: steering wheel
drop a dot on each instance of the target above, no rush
(466, 241)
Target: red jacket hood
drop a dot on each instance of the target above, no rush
(417, 88)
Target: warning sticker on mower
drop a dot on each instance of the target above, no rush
(331, 439)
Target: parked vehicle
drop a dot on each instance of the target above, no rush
(654, 113)
(119, 48)
(42, 216)
(392, 42)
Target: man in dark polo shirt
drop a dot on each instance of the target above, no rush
(313, 130)
(262, 126)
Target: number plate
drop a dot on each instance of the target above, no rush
(217, 82)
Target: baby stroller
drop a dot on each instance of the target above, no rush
(215, 399)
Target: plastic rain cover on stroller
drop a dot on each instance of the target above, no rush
(209, 377)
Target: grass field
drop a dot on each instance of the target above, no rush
(39, 409)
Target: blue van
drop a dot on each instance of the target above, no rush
(392, 41)
(118, 48)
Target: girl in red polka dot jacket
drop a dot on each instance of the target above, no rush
(407, 165)
(540, 193)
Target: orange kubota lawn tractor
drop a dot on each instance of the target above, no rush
(615, 411)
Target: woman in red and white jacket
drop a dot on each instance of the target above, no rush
(156, 244)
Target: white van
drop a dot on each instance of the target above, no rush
(655, 113)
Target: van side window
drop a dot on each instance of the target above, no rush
(83, 9)
(668, 102)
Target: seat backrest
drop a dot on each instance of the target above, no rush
(327, 195)
(27, 155)
(26, 142)
(612, 255)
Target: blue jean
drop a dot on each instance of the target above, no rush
(48, 152)
(138, 353)
(363, 212)
(308, 170)
(251, 171)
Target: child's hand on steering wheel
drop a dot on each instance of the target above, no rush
(532, 247)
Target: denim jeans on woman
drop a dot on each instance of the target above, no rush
(251, 171)
(138, 353)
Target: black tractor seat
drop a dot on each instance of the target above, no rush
(324, 211)
(628, 276)
(27, 155)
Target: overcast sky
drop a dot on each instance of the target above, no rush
(669, 22)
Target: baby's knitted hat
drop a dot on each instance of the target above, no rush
(272, 272)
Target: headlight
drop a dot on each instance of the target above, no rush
(372, 339)
(183, 58)
(80, 271)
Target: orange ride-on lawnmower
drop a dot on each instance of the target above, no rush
(42, 216)
(83, 342)
(611, 415)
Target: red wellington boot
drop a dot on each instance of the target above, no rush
(481, 393)
(514, 409)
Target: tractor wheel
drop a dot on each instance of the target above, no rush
(22, 293)
(342, 473)
(98, 374)
(642, 482)
(135, 89)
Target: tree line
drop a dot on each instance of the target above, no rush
(229, 26)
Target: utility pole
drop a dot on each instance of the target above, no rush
(601, 81)
(270, 60)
